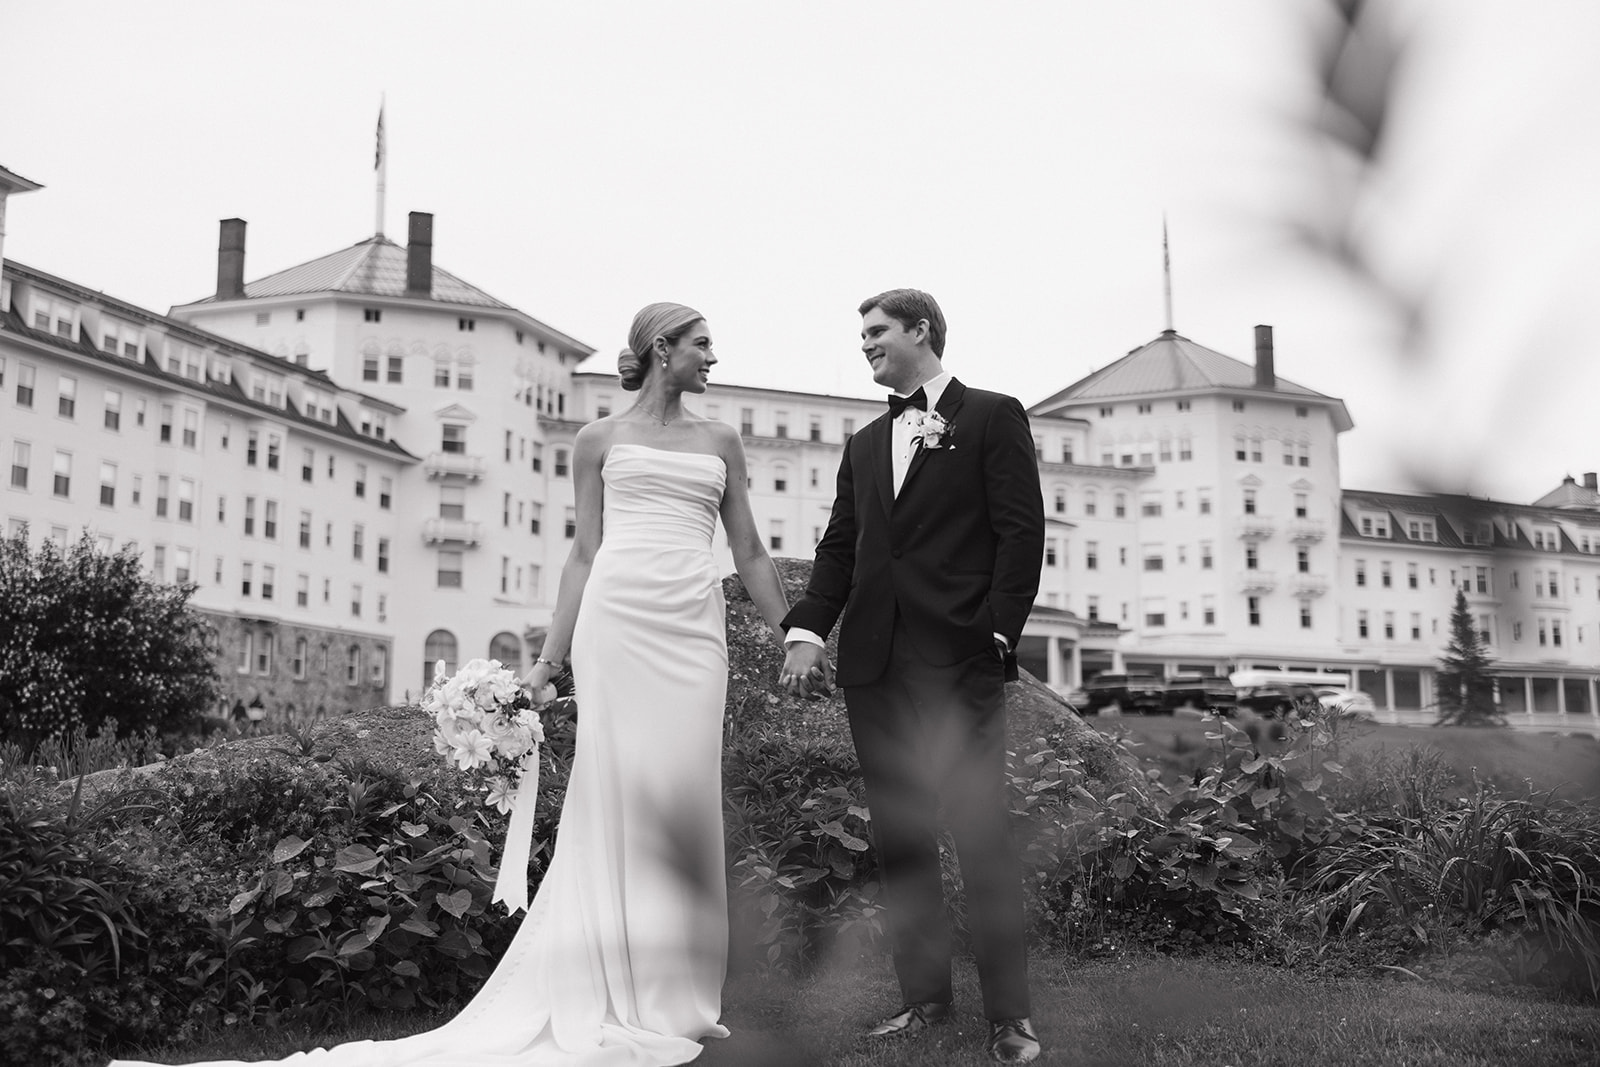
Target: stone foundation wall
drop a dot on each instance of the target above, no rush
(256, 661)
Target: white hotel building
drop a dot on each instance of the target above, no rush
(363, 463)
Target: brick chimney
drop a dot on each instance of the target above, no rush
(1266, 375)
(419, 255)
(230, 260)
(1591, 480)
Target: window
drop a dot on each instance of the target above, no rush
(380, 665)
(815, 432)
(264, 648)
(1361, 572)
(1150, 506)
(1091, 555)
(1253, 609)
(1385, 575)
(1089, 502)
(1185, 447)
(21, 457)
(1302, 559)
(449, 569)
(464, 365)
(1416, 626)
(369, 367)
(1050, 550)
(183, 564)
(372, 314)
(848, 428)
(466, 325)
(52, 316)
(1205, 555)
(185, 499)
(453, 439)
(1305, 614)
(302, 590)
(1249, 501)
(246, 576)
(1255, 450)
(1481, 577)
(358, 539)
(535, 516)
(137, 493)
(165, 434)
(305, 529)
(108, 485)
(164, 493)
(249, 512)
(747, 421)
(1153, 558)
(274, 448)
(780, 481)
(355, 601)
(1388, 625)
(352, 665)
(775, 535)
(62, 486)
(113, 413)
(269, 522)
(383, 555)
(25, 376)
(780, 424)
(1094, 609)
(1208, 610)
(269, 575)
(438, 650)
(1422, 530)
(301, 652)
(361, 480)
(394, 370)
(158, 554)
(1204, 501)
(252, 445)
(385, 492)
(1121, 506)
(1361, 624)
(570, 524)
(452, 502)
(562, 464)
(1300, 507)
(1060, 500)
(1252, 556)
(1238, 405)
(1106, 413)
(119, 338)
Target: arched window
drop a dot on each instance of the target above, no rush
(507, 648)
(440, 646)
(352, 668)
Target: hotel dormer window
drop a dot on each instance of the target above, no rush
(1546, 538)
(120, 338)
(54, 316)
(1422, 530)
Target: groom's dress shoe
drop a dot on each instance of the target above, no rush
(911, 1019)
(1012, 1041)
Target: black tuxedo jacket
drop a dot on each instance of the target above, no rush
(956, 554)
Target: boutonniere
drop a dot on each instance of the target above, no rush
(933, 430)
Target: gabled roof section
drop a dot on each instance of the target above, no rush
(1174, 364)
(374, 267)
(1570, 496)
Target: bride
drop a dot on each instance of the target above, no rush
(620, 959)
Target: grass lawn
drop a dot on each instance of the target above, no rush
(1504, 757)
(1144, 1012)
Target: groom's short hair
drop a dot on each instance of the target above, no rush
(908, 307)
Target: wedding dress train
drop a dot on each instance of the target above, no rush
(620, 959)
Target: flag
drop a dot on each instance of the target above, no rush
(377, 160)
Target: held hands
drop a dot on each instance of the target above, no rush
(806, 671)
(538, 680)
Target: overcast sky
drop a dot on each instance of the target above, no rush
(773, 164)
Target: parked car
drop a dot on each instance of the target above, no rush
(1202, 692)
(1124, 693)
(1275, 699)
(1351, 702)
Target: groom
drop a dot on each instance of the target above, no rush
(932, 557)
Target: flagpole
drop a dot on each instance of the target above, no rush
(1166, 270)
(380, 164)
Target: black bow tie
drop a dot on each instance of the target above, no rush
(898, 404)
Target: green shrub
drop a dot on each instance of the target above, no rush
(1527, 866)
(84, 636)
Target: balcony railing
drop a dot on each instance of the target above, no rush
(1256, 527)
(452, 531)
(1257, 581)
(1303, 531)
(1308, 584)
(453, 464)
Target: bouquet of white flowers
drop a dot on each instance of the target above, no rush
(486, 722)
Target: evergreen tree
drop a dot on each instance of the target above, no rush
(86, 636)
(1466, 679)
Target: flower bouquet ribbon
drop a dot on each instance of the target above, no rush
(487, 724)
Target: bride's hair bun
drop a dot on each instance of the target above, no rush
(630, 370)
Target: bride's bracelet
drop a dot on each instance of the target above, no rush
(541, 659)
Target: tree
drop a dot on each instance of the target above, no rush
(1466, 679)
(85, 636)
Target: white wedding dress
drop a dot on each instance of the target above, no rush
(620, 959)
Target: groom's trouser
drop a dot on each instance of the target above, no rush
(926, 734)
